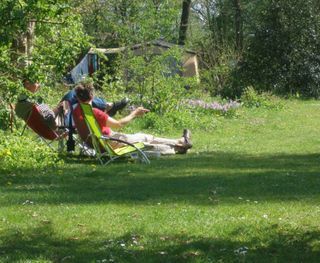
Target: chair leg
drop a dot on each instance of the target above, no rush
(24, 128)
(142, 156)
(60, 145)
(145, 159)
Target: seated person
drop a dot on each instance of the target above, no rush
(24, 105)
(111, 108)
(85, 94)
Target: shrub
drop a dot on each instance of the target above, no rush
(154, 81)
(20, 153)
(251, 98)
(282, 53)
(217, 65)
(4, 117)
(183, 117)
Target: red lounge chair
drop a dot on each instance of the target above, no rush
(37, 123)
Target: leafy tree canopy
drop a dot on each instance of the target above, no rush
(39, 40)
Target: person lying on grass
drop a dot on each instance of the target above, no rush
(85, 94)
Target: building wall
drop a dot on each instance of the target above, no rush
(189, 60)
(190, 66)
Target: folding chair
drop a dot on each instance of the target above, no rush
(94, 138)
(37, 123)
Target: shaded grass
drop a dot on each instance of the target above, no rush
(248, 192)
(176, 248)
(268, 178)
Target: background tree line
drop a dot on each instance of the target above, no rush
(269, 45)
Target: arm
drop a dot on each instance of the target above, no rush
(116, 124)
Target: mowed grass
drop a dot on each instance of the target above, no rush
(249, 191)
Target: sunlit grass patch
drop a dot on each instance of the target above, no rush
(247, 192)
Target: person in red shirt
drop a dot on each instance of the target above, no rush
(85, 93)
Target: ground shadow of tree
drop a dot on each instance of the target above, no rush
(192, 178)
(42, 243)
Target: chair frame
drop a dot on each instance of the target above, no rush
(99, 140)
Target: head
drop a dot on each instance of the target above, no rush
(84, 91)
(31, 86)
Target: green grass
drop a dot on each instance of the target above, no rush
(249, 191)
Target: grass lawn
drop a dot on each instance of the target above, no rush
(249, 191)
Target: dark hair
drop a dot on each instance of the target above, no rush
(84, 91)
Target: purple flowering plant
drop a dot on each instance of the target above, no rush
(227, 108)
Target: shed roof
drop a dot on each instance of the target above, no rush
(159, 43)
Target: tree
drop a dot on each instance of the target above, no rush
(221, 40)
(118, 23)
(39, 40)
(184, 21)
(282, 54)
(238, 26)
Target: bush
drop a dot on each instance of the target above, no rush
(251, 98)
(4, 117)
(162, 124)
(282, 53)
(20, 153)
(154, 81)
(183, 117)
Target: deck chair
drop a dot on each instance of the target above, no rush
(47, 135)
(94, 138)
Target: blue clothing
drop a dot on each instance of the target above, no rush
(96, 103)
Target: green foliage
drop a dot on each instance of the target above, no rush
(282, 53)
(57, 40)
(216, 78)
(116, 23)
(184, 117)
(4, 117)
(8, 84)
(215, 46)
(67, 41)
(252, 99)
(280, 46)
(42, 54)
(152, 80)
(19, 153)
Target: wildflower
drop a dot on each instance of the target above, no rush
(216, 106)
(241, 251)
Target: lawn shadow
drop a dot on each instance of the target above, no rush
(42, 243)
(202, 179)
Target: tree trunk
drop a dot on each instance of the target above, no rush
(23, 45)
(184, 21)
(30, 40)
(238, 26)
